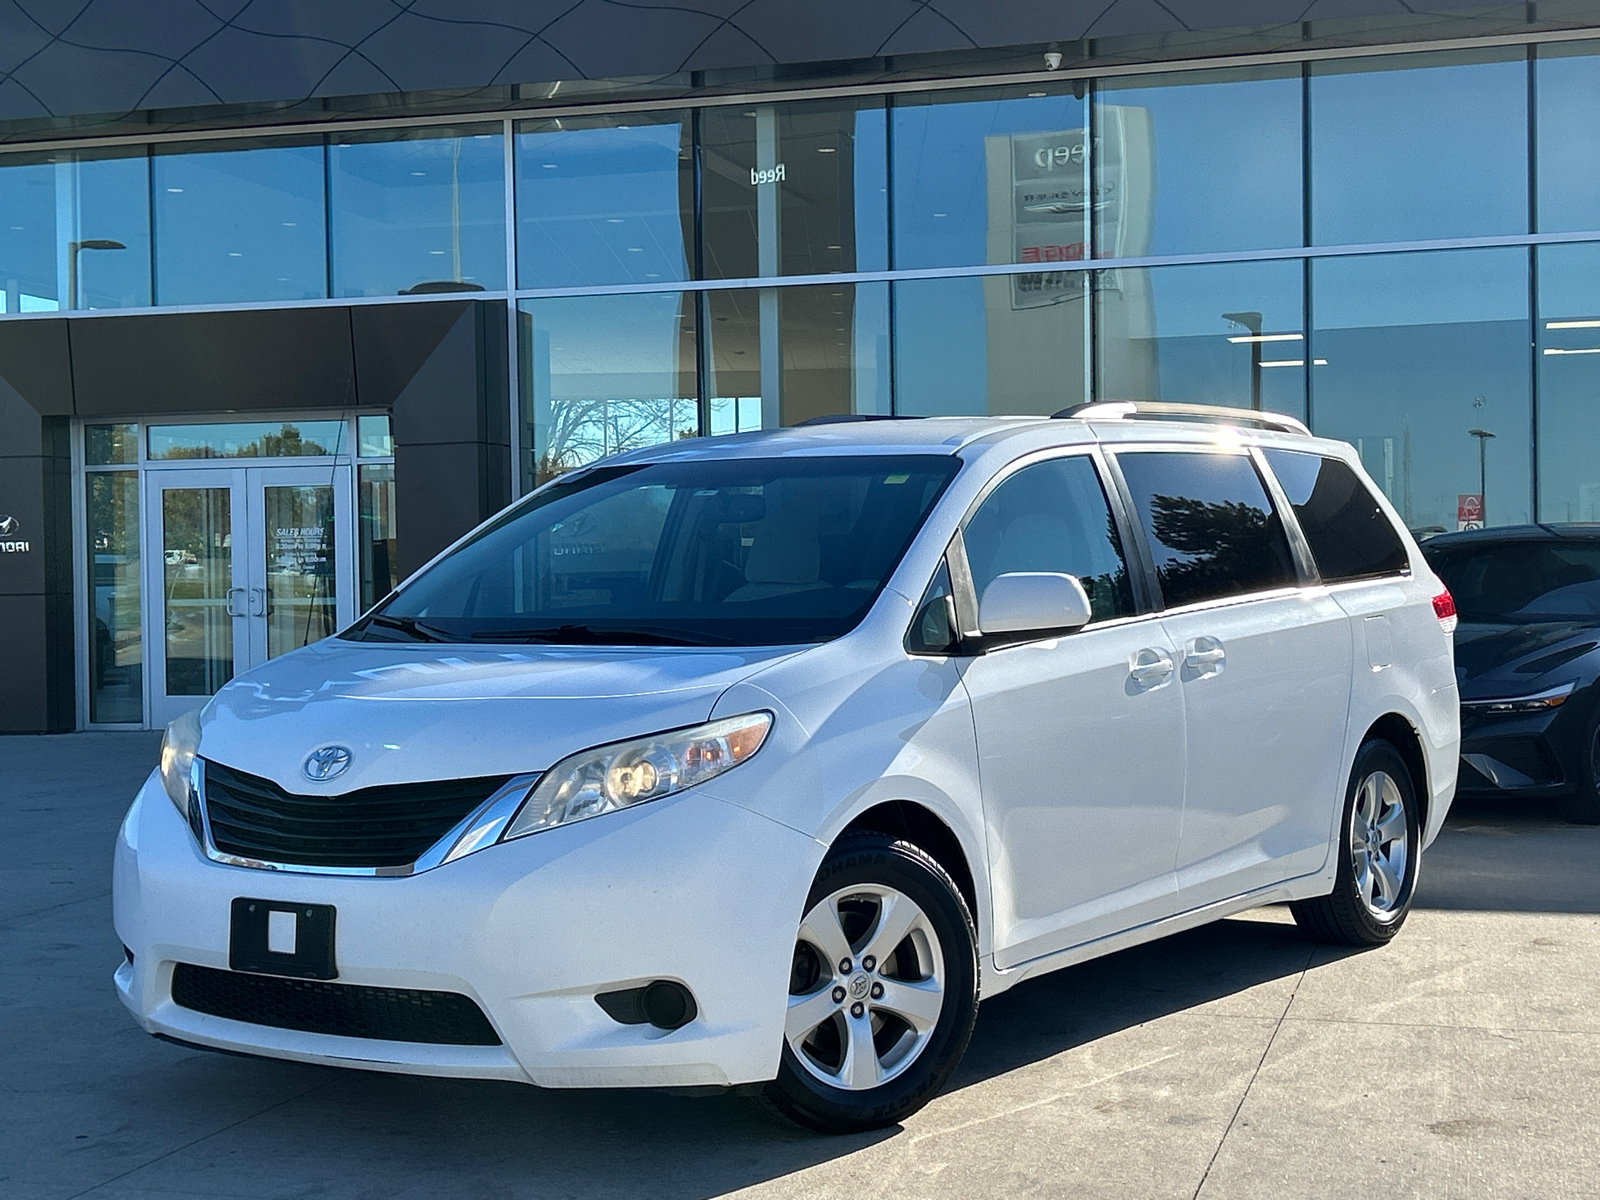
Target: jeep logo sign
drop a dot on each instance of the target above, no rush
(771, 175)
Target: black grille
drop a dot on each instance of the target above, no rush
(389, 826)
(345, 1010)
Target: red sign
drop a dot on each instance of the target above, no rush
(1469, 511)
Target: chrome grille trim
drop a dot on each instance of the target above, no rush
(481, 827)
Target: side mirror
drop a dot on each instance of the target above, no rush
(1038, 602)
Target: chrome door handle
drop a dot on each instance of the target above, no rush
(1150, 666)
(262, 593)
(1204, 652)
(233, 609)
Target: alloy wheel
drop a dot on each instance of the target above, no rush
(1380, 844)
(866, 989)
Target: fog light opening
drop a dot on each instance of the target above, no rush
(665, 1003)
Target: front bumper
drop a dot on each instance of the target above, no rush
(1531, 756)
(690, 888)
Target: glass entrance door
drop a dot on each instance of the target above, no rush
(245, 564)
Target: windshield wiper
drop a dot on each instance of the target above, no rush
(410, 626)
(590, 635)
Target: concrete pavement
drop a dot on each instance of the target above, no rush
(1234, 1061)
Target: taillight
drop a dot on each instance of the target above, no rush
(1444, 607)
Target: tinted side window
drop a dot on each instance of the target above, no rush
(1052, 516)
(1212, 530)
(1350, 536)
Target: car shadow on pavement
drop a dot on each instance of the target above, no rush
(1505, 855)
(1228, 965)
(349, 1126)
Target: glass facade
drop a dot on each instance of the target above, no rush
(1568, 376)
(1398, 247)
(1222, 333)
(1407, 147)
(1242, 193)
(1425, 363)
(1567, 136)
(601, 374)
(793, 189)
(605, 200)
(244, 222)
(116, 650)
(421, 213)
(74, 232)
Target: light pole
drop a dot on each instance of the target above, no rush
(72, 263)
(1483, 436)
(1252, 322)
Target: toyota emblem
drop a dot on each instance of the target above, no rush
(327, 762)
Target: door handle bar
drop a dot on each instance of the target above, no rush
(1204, 652)
(1149, 666)
(233, 609)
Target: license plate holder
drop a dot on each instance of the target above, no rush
(276, 937)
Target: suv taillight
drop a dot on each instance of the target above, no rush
(1444, 607)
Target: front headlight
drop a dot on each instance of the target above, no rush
(623, 774)
(178, 748)
(1518, 705)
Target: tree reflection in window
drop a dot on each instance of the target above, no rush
(1212, 530)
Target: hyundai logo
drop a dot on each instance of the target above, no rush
(8, 525)
(327, 762)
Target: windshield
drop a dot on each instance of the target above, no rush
(714, 552)
(1522, 581)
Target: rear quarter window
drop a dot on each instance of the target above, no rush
(1350, 535)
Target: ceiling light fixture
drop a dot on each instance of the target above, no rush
(1584, 350)
(1266, 337)
(1572, 324)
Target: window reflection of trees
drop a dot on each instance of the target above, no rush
(583, 430)
(1217, 549)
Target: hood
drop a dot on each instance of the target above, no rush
(412, 712)
(1502, 660)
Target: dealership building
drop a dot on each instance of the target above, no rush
(293, 295)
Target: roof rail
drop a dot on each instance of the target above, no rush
(851, 418)
(1117, 410)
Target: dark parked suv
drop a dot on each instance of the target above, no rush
(1528, 661)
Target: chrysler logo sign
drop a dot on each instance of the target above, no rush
(326, 763)
(9, 528)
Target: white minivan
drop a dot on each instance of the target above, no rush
(756, 760)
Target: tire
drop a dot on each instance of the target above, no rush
(1582, 806)
(1379, 848)
(908, 993)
